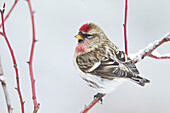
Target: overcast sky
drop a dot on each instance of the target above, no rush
(59, 87)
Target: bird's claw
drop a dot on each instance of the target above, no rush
(99, 95)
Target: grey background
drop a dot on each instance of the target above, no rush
(58, 85)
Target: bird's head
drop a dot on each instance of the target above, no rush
(90, 36)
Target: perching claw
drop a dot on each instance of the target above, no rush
(99, 95)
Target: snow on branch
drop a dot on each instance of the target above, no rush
(156, 55)
(149, 50)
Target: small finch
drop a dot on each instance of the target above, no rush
(100, 63)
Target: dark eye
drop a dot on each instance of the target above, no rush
(86, 35)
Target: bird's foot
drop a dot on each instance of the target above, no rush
(99, 95)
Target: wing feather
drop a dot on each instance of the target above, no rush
(102, 63)
(124, 59)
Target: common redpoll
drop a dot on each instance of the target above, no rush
(102, 64)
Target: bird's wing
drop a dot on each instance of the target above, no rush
(109, 65)
(121, 57)
(110, 68)
(101, 63)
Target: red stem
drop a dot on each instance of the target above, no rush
(36, 105)
(10, 11)
(125, 24)
(87, 108)
(1, 33)
(156, 57)
(14, 62)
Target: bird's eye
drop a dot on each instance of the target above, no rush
(86, 35)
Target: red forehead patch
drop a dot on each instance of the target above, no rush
(85, 28)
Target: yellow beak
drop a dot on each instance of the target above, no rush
(79, 37)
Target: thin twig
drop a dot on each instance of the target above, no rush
(125, 26)
(95, 101)
(157, 57)
(14, 60)
(1, 33)
(36, 105)
(13, 6)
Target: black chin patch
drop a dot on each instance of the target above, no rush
(80, 41)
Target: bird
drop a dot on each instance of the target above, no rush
(100, 63)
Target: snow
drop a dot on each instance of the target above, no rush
(167, 35)
(151, 46)
(138, 56)
(156, 53)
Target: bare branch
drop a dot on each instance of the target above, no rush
(36, 105)
(124, 25)
(12, 8)
(14, 60)
(156, 57)
(1, 33)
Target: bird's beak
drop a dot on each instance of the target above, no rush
(79, 37)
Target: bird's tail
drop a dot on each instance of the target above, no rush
(139, 80)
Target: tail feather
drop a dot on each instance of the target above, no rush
(139, 80)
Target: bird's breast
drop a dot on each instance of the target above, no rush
(82, 46)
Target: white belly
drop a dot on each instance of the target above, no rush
(100, 85)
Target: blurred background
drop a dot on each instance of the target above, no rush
(59, 87)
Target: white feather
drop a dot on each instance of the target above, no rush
(105, 85)
(94, 67)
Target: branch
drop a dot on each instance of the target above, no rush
(124, 25)
(157, 57)
(16, 1)
(87, 108)
(36, 105)
(1, 33)
(3, 83)
(149, 49)
(13, 58)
